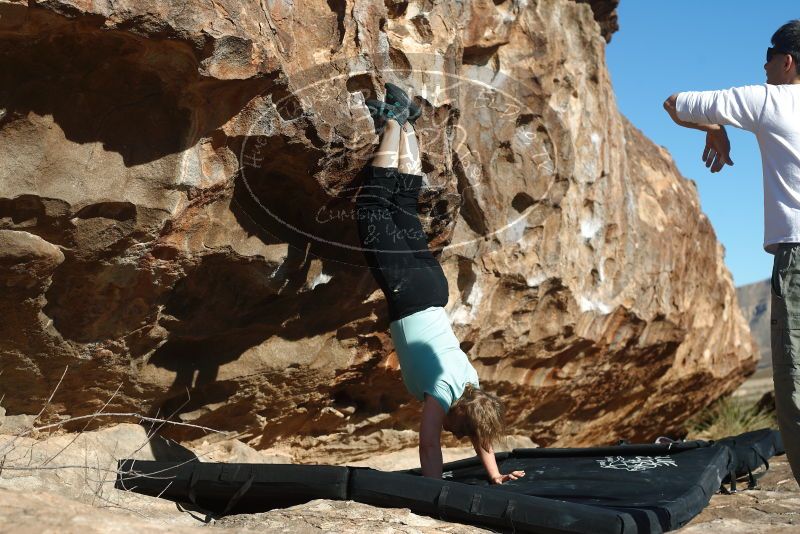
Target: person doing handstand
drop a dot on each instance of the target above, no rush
(434, 368)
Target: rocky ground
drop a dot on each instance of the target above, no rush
(64, 483)
(773, 507)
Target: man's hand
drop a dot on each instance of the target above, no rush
(717, 151)
(514, 475)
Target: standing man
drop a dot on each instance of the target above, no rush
(772, 112)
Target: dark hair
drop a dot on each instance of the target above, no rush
(787, 40)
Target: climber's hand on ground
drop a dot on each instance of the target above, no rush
(514, 475)
(718, 148)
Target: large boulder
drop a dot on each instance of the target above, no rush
(177, 184)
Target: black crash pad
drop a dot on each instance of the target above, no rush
(648, 488)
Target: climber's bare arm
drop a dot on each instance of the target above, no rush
(430, 438)
(430, 446)
(489, 462)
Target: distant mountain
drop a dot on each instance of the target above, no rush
(754, 300)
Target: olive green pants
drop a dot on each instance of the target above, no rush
(785, 338)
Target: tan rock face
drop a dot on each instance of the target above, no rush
(177, 187)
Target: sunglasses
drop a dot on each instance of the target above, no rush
(771, 51)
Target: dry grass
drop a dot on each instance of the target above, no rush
(729, 416)
(13, 453)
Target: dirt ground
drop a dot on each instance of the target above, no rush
(84, 500)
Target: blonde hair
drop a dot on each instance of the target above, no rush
(484, 414)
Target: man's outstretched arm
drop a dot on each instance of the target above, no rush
(670, 106)
(718, 148)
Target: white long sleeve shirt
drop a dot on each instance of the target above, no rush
(772, 113)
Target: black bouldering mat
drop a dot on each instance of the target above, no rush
(615, 489)
(233, 488)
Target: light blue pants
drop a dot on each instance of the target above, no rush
(785, 338)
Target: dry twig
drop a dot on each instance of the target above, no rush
(96, 484)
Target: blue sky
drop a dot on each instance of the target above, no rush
(699, 45)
